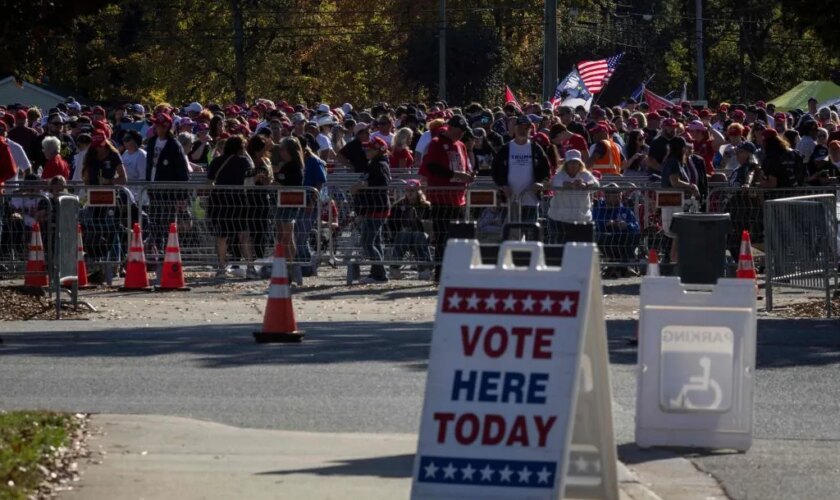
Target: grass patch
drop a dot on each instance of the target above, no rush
(28, 440)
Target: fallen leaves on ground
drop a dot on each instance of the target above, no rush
(19, 306)
(811, 309)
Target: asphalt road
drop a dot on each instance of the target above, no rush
(369, 377)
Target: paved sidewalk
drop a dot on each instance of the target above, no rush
(155, 457)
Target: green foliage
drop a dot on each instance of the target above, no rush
(27, 440)
(374, 50)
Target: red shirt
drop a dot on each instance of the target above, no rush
(706, 149)
(402, 154)
(576, 141)
(443, 152)
(54, 167)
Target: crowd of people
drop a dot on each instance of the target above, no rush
(546, 160)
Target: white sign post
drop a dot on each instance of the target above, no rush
(696, 364)
(509, 343)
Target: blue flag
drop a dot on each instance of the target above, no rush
(573, 88)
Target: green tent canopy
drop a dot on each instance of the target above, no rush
(798, 96)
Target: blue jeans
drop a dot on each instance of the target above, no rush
(304, 223)
(416, 242)
(372, 245)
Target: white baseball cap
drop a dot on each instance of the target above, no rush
(322, 108)
(193, 107)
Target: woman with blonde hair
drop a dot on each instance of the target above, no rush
(401, 158)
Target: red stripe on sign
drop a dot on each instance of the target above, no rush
(510, 302)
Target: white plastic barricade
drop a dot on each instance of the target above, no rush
(696, 364)
(518, 399)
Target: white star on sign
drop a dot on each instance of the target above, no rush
(543, 475)
(597, 466)
(581, 464)
(490, 303)
(468, 472)
(506, 473)
(510, 303)
(546, 304)
(431, 470)
(528, 303)
(472, 302)
(524, 475)
(454, 301)
(449, 471)
(486, 473)
(566, 305)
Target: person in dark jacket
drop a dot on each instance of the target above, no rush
(373, 206)
(289, 173)
(519, 168)
(165, 163)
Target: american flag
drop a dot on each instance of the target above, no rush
(596, 74)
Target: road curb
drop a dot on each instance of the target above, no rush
(669, 475)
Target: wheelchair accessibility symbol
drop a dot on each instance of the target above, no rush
(700, 385)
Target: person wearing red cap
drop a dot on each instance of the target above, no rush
(659, 146)
(103, 164)
(21, 133)
(373, 206)
(165, 163)
(8, 166)
(651, 130)
(445, 166)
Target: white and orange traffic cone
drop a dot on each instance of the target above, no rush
(36, 264)
(279, 323)
(136, 274)
(653, 264)
(81, 266)
(172, 273)
(746, 263)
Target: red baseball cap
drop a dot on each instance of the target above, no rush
(669, 122)
(738, 114)
(162, 119)
(20, 114)
(780, 116)
(769, 132)
(653, 115)
(376, 143)
(704, 113)
(98, 110)
(97, 139)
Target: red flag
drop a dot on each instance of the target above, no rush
(509, 97)
(655, 102)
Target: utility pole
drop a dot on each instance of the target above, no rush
(240, 73)
(550, 49)
(442, 50)
(701, 69)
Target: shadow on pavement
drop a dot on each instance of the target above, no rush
(630, 453)
(396, 467)
(781, 343)
(231, 345)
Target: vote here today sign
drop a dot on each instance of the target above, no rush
(500, 393)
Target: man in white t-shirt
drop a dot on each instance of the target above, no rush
(325, 145)
(384, 130)
(518, 168)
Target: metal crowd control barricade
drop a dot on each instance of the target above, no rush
(626, 221)
(20, 209)
(65, 250)
(801, 244)
(746, 208)
(204, 213)
(106, 218)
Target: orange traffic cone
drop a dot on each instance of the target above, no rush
(746, 266)
(81, 266)
(172, 272)
(36, 265)
(279, 323)
(136, 276)
(653, 264)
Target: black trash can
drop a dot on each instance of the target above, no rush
(701, 246)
